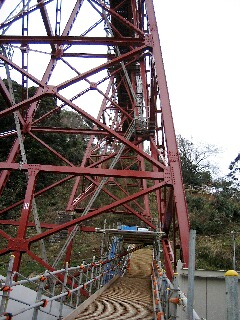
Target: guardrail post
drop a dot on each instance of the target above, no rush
(92, 275)
(191, 270)
(78, 300)
(87, 273)
(156, 287)
(124, 265)
(164, 294)
(63, 290)
(52, 285)
(231, 279)
(157, 249)
(7, 287)
(39, 296)
(100, 272)
(72, 287)
(174, 298)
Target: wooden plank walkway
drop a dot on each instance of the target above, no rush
(129, 297)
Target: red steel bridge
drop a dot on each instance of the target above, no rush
(101, 60)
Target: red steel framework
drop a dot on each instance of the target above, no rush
(103, 61)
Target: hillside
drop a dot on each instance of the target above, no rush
(213, 204)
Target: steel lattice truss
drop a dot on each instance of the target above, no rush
(101, 60)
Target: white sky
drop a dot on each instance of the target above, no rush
(200, 41)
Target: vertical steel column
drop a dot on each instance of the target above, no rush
(24, 49)
(231, 279)
(58, 17)
(19, 243)
(173, 156)
(191, 269)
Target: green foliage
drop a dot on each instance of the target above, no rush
(234, 171)
(206, 220)
(14, 191)
(213, 205)
(196, 168)
(214, 252)
(213, 215)
(46, 115)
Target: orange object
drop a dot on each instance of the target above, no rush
(45, 302)
(174, 300)
(42, 278)
(8, 315)
(160, 315)
(6, 289)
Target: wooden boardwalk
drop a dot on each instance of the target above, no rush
(130, 297)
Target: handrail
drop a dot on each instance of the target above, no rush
(167, 295)
(116, 265)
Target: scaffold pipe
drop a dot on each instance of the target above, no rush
(167, 295)
(118, 268)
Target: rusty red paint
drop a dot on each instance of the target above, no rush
(138, 174)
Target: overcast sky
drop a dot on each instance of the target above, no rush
(200, 41)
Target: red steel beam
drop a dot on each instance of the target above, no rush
(113, 133)
(137, 88)
(74, 40)
(105, 208)
(44, 225)
(71, 131)
(20, 244)
(173, 155)
(26, 209)
(86, 171)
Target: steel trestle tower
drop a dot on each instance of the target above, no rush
(102, 60)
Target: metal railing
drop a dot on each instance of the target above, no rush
(167, 296)
(70, 286)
